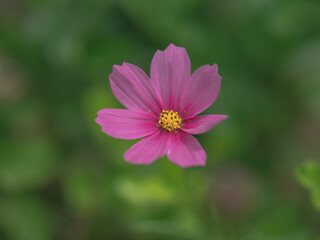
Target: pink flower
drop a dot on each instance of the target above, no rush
(162, 109)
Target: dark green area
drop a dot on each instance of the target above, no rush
(62, 178)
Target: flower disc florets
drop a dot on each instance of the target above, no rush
(170, 120)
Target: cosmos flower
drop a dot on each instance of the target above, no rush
(163, 109)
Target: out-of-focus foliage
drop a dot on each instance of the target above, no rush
(62, 178)
(309, 176)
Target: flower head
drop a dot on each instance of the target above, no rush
(163, 109)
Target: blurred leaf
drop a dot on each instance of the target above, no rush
(145, 192)
(185, 226)
(26, 218)
(308, 175)
(26, 165)
(81, 188)
(281, 223)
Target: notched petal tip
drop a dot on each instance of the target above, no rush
(117, 67)
(126, 64)
(214, 67)
(171, 46)
(97, 119)
(120, 69)
(99, 115)
(211, 68)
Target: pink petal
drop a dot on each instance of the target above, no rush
(170, 71)
(148, 149)
(201, 91)
(185, 150)
(126, 124)
(133, 89)
(202, 124)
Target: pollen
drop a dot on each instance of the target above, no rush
(170, 120)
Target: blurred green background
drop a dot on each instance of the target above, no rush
(62, 178)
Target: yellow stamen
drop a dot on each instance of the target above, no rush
(170, 120)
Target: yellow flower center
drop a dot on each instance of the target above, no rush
(170, 120)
